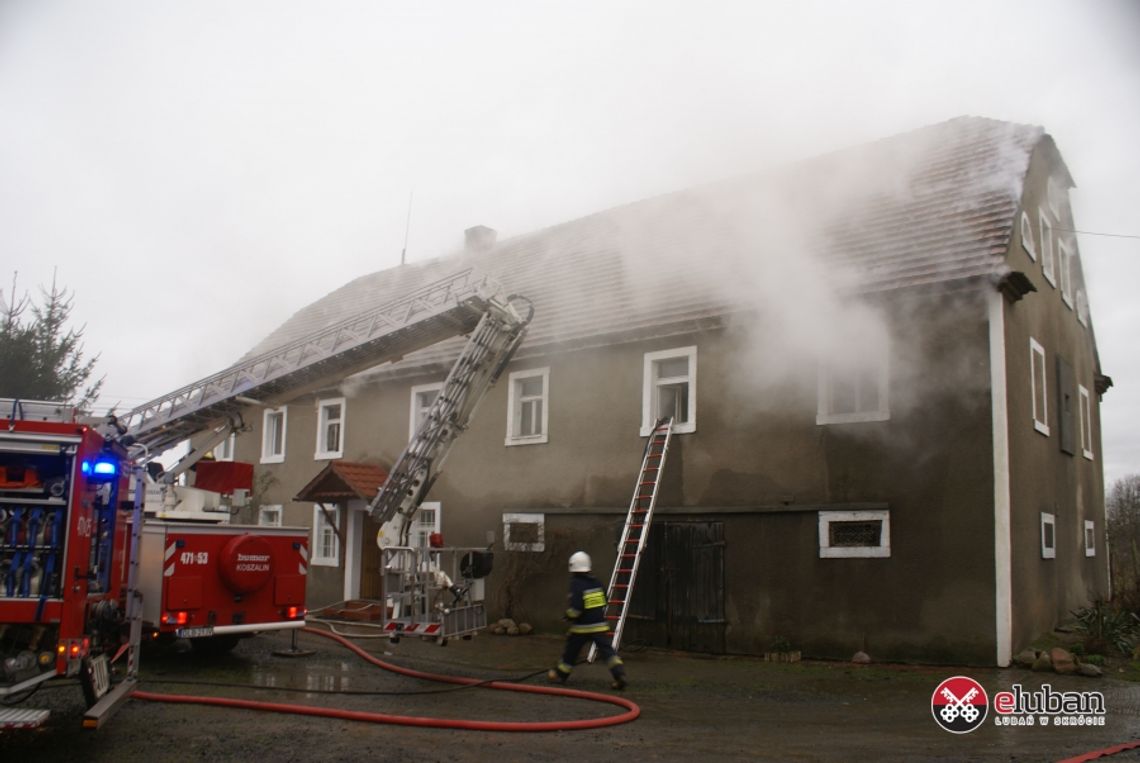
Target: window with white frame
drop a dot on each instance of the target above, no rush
(1090, 538)
(1086, 422)
(423, 395)
(427, 520)
(330, 428)
(670, 389)
(224, 451)
(1053, 196)
(1046, 243)
(1065, 271)
(524, 531)
(855, 389)
(527, 406)
(854, 534)
(1082, 307)
(273, 428)
(1048, 536)
(326, 544)
(269, 515)
(1038, 387)
(1027, 236)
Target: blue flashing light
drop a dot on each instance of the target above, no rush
(105, 468)
(100, 468)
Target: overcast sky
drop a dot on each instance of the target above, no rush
(197, 172)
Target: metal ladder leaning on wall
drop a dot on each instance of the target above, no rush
(635, 534)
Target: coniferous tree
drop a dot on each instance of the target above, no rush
(40, 357)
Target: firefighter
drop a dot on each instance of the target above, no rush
(587, 616)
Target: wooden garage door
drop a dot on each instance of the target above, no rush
(678, 600)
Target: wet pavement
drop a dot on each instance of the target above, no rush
(722, 708)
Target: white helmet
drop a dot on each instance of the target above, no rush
(579, 562)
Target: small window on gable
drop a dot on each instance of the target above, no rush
(269, 516)
(1048, 536)
(1027, 236)
(1082, 307)
(1086, 422)
(670, 389)
(326, 544)
(524, 532)
(1090, 538)
(224, 451)
(1053, 194)
(855, 389)
(1047, 264)
(853, 534)
(423, 395)
(273, 432)
(1065, 271)
(330, 428)
(527, 407)
(1038, 387)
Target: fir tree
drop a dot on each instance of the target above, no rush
(41, 358)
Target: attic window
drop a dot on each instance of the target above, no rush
(1047, 264)
(1027, 236)
(273, 431)
(330, 428)
(1090, 538)
(1082, 307)
(528, 411)
(1065, 271)
(1086, 421)
(1053, 195)
(854, 534)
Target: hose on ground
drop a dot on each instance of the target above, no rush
(632, 711)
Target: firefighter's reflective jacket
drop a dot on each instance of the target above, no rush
(587, 610)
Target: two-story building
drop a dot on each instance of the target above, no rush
(886, 392)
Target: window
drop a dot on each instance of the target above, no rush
(1086, 422)
(670, 389)
(1090, 538)
(423, 395)
(425, 522)
(1053, 195)
(854, 534)
(1048, 536)
(854, 390)
(326, 544)
(1065, 271)
(273, 436)
(1047, 248)
(524, 532)
(1027, 236)
(224, 451)
(330, 428)
(1037, 382)
(1082, 307)
(527, 406)
(269, 516)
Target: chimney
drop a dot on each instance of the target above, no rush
(479, 238)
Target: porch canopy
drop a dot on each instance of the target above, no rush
(342, 481)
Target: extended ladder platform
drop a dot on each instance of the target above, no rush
(440, 310)
(487, 352)
(635, 534)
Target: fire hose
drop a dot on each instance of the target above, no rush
(632, 711)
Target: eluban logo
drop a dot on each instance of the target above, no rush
(959, 704)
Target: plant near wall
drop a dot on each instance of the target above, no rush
(520, 570)
(1123, 510)
(1104, 627)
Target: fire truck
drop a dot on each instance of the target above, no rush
(99, 545)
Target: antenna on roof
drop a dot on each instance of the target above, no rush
(407, 226)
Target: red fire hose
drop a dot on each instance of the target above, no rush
(632, 711)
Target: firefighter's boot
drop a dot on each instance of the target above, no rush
(556, 676)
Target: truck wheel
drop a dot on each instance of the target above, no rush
(214, 646)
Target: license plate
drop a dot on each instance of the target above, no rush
(194, 632)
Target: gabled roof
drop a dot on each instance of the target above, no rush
(925, 207)
(341, 481)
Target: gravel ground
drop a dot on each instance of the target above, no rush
(723, 708)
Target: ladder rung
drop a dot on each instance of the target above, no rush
(621, 585)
